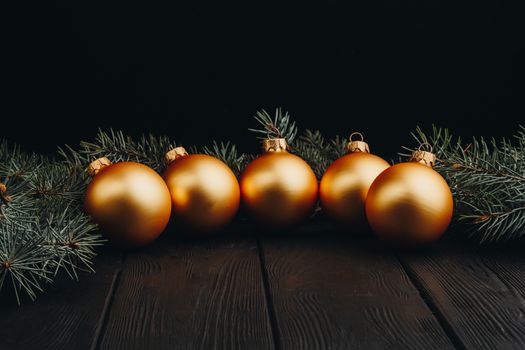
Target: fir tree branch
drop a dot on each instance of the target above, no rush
(487, 180)
(281, 126)
(149, 150)
(16, 204)
(227, 152)
(311, 145)
(69, 235)
(319, 154)
(42, 228)
(23, 259)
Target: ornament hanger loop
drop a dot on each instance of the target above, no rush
(424, 155)
(357, 146)
(426, 145)
(358, 134)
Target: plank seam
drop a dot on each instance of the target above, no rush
(268, 297)
(434, 309)
(103, 321)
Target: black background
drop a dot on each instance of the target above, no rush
(199, 72)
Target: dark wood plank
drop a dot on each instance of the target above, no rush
(481, 310)
(509, 266)
(68, 315)
(183, 295)
(336, 292)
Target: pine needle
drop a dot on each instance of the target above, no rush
(487, 179)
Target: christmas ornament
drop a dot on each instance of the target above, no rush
(129, 201)
(204, 191)
(410, 204)
(345, 184)
(278, 188)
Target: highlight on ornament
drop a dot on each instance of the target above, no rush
(129, 201)
(278, 189)
(345, 184)
(205, 194)
(410, 204)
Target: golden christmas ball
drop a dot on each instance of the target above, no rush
(204, 191)
(278, 188)
(344, 186)
(410, 204)
(129, 201)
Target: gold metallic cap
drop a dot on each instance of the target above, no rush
(175, 153)
(97, 165)
(424, 157)
(357, 146)
(274, 145)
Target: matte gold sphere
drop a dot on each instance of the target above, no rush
(279, 189)
(344, 187)
(409, 204)
(204, 191)
(130, 202)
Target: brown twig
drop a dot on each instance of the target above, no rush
(7, 264)
(4, 197)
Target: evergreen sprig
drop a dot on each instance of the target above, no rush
(228, 153)
(280, 126)
(42, 228)
(487, 179)
(148, 149)
(318, 153)
(310, 145)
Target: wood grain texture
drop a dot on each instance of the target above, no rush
(66, 316)
(509, 266)
(484, 309)
(332, 292)
(205, 294)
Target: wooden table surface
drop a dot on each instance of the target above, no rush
(313, 288)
